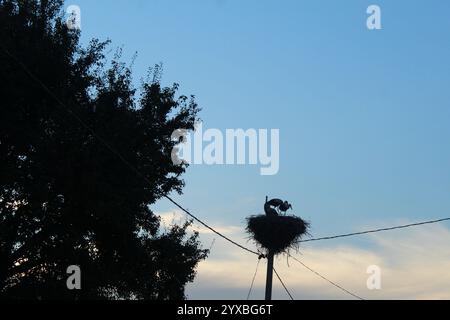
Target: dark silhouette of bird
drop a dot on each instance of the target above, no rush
(275, 206)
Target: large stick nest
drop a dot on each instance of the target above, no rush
(277, 233)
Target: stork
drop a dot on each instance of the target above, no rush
(275, 206)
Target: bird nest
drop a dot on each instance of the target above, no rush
(277, 234)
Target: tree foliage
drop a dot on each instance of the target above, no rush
(82, 156)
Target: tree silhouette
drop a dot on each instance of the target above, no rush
(73, 136)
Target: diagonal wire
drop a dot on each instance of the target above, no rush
(253, 281)
(376, 230)
(282, 283)
(113, 150)
(326, 279)
(210, 228)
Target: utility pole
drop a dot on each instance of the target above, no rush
(269, 278)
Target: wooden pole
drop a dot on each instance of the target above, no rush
(269, 276)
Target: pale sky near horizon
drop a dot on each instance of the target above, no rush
(363, 119)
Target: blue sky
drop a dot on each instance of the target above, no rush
(363, 115)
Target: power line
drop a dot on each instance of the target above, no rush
(253, 281)
(375, 230)
(326, 279)
(114, 151)
(210, 228)
(212, 244)
(282, 283)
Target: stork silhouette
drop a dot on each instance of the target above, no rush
(276, 206)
